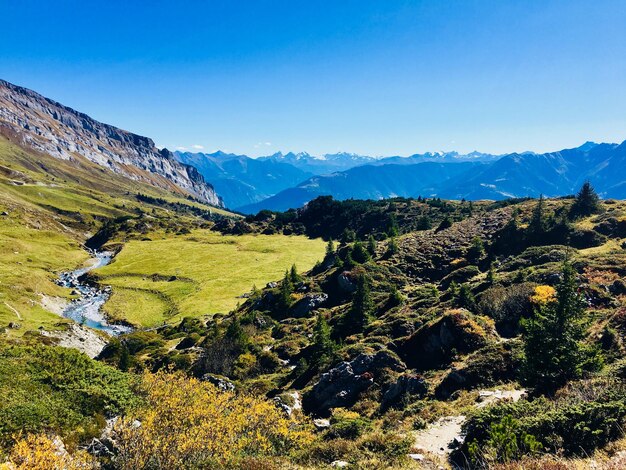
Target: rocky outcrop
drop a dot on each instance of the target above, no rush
(341, 385)
(223, 384)
(435, 344)
(407, 385)
(307, 304)
(59, 131)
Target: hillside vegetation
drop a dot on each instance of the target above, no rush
(493, 334)
(49, 208)
(429, 333)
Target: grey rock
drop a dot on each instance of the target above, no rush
(308, 303)
(223, 384)
(406, 385)
(345, 283)
(341, 385)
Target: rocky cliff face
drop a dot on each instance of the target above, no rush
(64, 133)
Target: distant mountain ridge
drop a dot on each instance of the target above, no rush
(476, 176)
(52, 128)
(241, 180)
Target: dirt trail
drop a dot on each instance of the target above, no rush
(19, 317)
(441, 437)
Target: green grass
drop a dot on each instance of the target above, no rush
(53, 206)
(29, 261)
(197, 274)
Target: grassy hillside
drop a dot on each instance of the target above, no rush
(167, 276)
(406, 342)
(50, 208)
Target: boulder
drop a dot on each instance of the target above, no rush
(346, 284)
(435, 344)
(321, 424)
(618, 287)
(307, 304)
(220, 382)
(341, 385)
(406, 385)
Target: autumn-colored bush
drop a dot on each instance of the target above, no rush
(543, 295)
(186, 423)
(39, 452)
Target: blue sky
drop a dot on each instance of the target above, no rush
(381, 77)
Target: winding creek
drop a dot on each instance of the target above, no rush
(86, 309)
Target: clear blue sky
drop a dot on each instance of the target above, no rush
(375, 77)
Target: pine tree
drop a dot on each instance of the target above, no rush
(284, 296)
(466, 299)
(553, 348)
(392, 229)
(476, 251)
(330, 248)
(371, 245)
(538, 221)
(359, 253)
(424, 223)
(357, 318)
(323, 345)
(587, 202)
(124, 362)
(294, 277)
(347, 236)
(235, 332)
(491, 275)
(445, 223)
(392, 247)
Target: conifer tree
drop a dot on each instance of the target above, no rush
(284, 296)
(476, 251)
(235, 332)
(347, 236)
(360, 312)
(445, 223)
(330, 248)
(392, 247)
(466, 299)
(371, 245)
(323, 345)
(392, 229)
(538, 221)
(553, 347)
(491, 275)
(359, 253)
(587, 202)
(294, 277)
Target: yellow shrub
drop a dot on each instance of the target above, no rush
(543, 295)
(39, 452)
(188, 423)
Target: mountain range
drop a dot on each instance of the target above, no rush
(268, 182)
(289, 180)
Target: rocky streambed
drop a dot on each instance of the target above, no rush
(86, 309)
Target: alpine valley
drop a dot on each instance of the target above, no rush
(175, 310)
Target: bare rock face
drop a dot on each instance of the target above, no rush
(432, 345)
(59, 131)
(341, 385)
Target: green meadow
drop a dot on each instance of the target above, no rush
(49, 208)
(203, 273)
